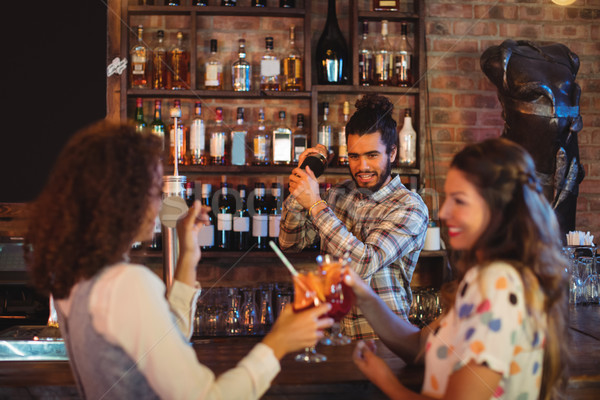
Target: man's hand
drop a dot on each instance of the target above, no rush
(304, 186)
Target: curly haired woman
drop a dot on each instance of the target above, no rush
(124, 339)
(504, 335)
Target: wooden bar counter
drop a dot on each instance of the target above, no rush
(337, 378)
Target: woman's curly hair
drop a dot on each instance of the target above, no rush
(92, 206)
(374, 113)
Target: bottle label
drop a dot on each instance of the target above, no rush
(241, 224)
(282, 147)
(274, 221)
(238, 148)
(212, 74)
(270, 67)
(217, 144)
(206, 236)
(224, 222)
(260, 147)
(260, 225)
(138, 68)
(197, 136)
(179, 139)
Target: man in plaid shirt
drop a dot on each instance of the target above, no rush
(373, 216)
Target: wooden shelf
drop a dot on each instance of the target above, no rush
(202, 94)
(270, 169)
(341, 89)
(393, 16)
(218, 10)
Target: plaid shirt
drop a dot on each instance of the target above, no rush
(384, 232)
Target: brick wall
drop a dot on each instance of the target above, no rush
(463, 106)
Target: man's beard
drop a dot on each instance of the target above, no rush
(380, 181)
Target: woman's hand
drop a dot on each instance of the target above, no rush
(293, 331)
(362, 291)
(376, 369)
(188, 228)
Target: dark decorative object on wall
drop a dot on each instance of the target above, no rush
(540, 107)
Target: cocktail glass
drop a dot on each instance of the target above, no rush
(308, 293)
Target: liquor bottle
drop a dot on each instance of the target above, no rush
(190, 196)
(218, 140)
(383, 57)
(157, 126)
(213, 74)
(260, 218)
(160, 66)
(239, 136)
(342, 141)
(275, 211)
(282, 142)
(407, 154)
(200, 2)
(270, 68)
(173, 2)
(299, 139)
(293, 70)
(225, 217)
(332, 59)
(198, 153)
(181, 136)
(386, 5)
(287, 3)
(155, 244)
(241, 223)
(179, 62)
(140, 124)
(259, 3)
(325, 130)
(241, 71)
(206, 236)
(403, 59)
(229, 3)
(365, 57)
(140, 60)
(261, 142)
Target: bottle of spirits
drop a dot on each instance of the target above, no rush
(269, 68)
(228, 3)
(140, 62)
(213, 73)
(225, 218)
(180, 138)
(239, 136)
(259, 3)
(190, 196)
(173, 2)
(282, 142)
(157, 126)
(407, 154)
(198, 151)
(383, 57)
(386, 5)
(365, 57)
(332, 57)
(260, 219)
(325, 130)
(293, 70)
(241, 71)
(203, 3)
(403, 59)
(140, 124)
(241, 222)
(287, 3)
(275, 211)
(342, 141)
(261, 142)
(206, 236)
(160, 66)
(179, 61)
(218, 140)
(299, 139)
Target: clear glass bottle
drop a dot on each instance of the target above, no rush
(157, 126)
(179, 62)
(261, 142)
(140, 62)
(241, 71)
(383, 57)
(206, 236)
(293, 65)
(365, 57)
(403, 57)
(198, 153)
(342, 141)
(160, 66)
(140, 124)
(282, 142)
(386, 5)
(239, 136)
(181, 136)
(407, 153)
(249, 316)
(213, 73)
(325, 132)
(218, 139)
(270, 68)
(241, 222)
(299, 139)
(260, 217)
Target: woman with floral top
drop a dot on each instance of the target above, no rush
(504, 335)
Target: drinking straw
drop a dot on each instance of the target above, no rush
(283, 258)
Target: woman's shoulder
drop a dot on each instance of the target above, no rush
(125, 276)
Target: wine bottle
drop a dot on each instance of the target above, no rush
(332, 60)
(407, 153)
(160, 66)
(140, 124)
(140, 62)
(179, 63)
(225, 218)
(275, 211)
(206, 236)
(157, 126)
(260, 219)
(241, 222)
(190, 196)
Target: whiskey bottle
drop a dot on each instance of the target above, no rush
(261, 142)
(260, 218)
(160, 66)
(403, 59)
(293, 70)
(386, 5)
(365, 57)
(282, 142)
(269, 68)
(180, 138)
(325, 130)
(275, 211)
(407, 153)
(140, 60)
(179, 61)
(241, 222)
(225, 218)
(239, 135)
(157, 126)
(299, 139)
(342, 141)
(198, 151)
(383, 57)
(140, 124)
(206, 236)
(241, 71)
(218, 140)
(213, 74)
